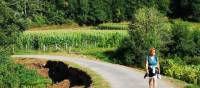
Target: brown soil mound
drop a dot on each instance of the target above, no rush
(61, 74)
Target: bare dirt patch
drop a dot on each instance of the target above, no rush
(62, 75)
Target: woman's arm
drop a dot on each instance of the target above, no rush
(158, 65)
(146, 62)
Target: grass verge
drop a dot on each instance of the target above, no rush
(97, 80)
(100, 54)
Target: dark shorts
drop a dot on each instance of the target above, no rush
(151, 74)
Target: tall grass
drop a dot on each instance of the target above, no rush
(113, 26)
(62, 39)
(13, 75)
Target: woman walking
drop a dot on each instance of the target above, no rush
(152, 67)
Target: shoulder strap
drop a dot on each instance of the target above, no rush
(156, 58)
(147, 58)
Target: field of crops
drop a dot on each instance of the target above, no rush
(65, 39)
(113, 26)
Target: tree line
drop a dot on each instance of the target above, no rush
(92, 12)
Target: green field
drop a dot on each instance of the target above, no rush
(65, 39)
(113, 26)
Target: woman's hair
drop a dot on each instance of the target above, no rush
(151, 51)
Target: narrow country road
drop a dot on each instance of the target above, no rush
(117, 75)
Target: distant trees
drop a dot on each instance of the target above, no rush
(186, 9)
(93, 12)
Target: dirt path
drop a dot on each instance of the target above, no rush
(117, 75)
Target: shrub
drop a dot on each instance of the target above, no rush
(182, 43)
(192, 60)
(56, 17)
(13, 75)
(196, 39)
(188, 73)
(144, 32)
(39, 20)
(17, 76)
(192, 86)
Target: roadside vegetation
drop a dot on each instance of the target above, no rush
(176, 41)
(126, 29)
(41, 66)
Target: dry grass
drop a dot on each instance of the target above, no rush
(59, 27)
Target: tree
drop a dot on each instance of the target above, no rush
(163, 6)
(145, 32)
(186, 9)
(97, 13)
(196, 10)
(61, 4)
(10, 25)
(118, 10)
(83, 11)
(182, 40)
(72, 9)
(130, 7)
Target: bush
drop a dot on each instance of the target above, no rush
(196, 39)
(39, 20)
(17, 76)
(188, 73)
(192, 86)
(56, 17)
(11, 74)
(185, 40)
(145, 31)
(192, 60)
(182, 43)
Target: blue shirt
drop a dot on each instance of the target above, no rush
(152, 61)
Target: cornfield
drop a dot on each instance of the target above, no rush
(65, 39)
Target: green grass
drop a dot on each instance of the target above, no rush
(113, 26)
(14, 75)
(17, 76)
(191, 25)
(97, 80)
(98, 53)
(192, 86)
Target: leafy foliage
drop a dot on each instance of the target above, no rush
(145, 32)
(88, 12)
(185, 41)
(188, 73)
(17, 76)
(13, 75)
(186, 9)
(10, 26)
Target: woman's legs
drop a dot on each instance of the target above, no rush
(154, 82)
(151, 83)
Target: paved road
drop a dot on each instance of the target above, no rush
(117, 75)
